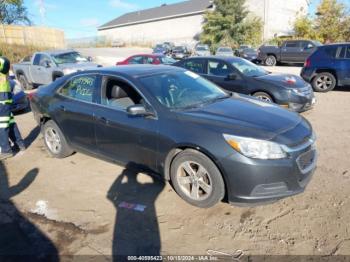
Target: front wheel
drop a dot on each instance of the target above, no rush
(24, 82)
(324, 82)
(263, 97)
(196, 179)
(55, 141)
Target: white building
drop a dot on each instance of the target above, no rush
(182, 22)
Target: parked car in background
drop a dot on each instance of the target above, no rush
(240, 49)
(20, 100)
(169, 45)
(328, 67)
(161, 49)
(44, 67)
(291, 51)
(239, 75)
(154, 59)
(249, 54)
(224, 51)
(180, 52)
(209, 143)
(201, 50)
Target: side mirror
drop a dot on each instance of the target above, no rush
(47, 64)
(232, 76)
(89, 58)
(138, 110)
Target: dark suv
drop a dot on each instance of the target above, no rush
(328, 67)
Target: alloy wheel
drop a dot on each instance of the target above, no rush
(53, 140)
(324, 82)
(264, 98)
(194, 180)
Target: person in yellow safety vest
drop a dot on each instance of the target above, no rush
(8, 127)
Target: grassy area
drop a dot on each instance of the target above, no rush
(17, 52)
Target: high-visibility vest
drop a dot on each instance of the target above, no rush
(5, 90)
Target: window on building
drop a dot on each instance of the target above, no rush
(80, 88)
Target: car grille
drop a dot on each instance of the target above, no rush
(307, 161)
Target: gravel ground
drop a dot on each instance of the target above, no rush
(73, 206)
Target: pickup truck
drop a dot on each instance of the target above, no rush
(45, 67)
(291, 51)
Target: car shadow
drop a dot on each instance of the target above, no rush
(342, 89)
(20, 240)
(136, 230)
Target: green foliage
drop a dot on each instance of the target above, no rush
(331, 23)
(13, 12)
(16, 52)
(230, 24)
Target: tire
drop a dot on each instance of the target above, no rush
(24, 82)
(55, 141)
(209, 185)
(270, 60)
(324, 82)
(263, 97)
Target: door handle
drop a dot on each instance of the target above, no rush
(63, 108)
(103, 120)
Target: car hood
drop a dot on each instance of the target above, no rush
(249, 117)
(82, 65)
(285, 80)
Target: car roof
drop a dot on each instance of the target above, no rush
(57, 52)
(225, 58)
(133, 71)
(151, 55)
(338, 44)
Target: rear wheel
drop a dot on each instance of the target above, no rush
(24, 82)
(196, 179)
(324, 82)
(263, 97)
(270, 60)
(55, 141)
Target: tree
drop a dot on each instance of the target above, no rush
(13, 12)
(231, 24)
(331, 23)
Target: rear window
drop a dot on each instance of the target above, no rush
(331, 51)
(344, 52)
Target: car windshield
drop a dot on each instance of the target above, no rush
(248, 69)
(249, 50)
(179, 48)
(225, 49)
(202, 48)
(167, 60)
(69, 58)
(182, 90)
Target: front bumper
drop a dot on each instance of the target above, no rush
(252, 181)
(297, 102)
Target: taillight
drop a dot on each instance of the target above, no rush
(307, 63)
(31, 95)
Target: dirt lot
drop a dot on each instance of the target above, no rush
(72, 206)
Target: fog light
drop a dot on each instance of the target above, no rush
(295, 106)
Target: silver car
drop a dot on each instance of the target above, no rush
(224, 51)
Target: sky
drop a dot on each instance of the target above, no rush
(80, 18)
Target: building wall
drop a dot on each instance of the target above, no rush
(278, 15)
(178, 30)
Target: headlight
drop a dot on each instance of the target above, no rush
(68, 71)
(255, 148)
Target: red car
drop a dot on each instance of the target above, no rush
(154, 59)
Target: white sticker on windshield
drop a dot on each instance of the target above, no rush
(191, 74)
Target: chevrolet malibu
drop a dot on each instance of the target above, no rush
(211, 144)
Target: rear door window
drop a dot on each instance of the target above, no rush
(195, 65)
(347, 52)
(218, 68)
(291, 44)
(81, 88)
(136, 60)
